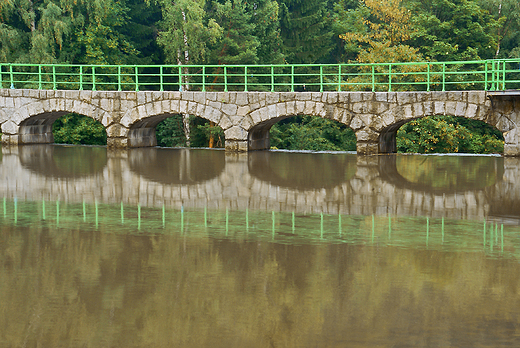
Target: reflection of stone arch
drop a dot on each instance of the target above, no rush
(289, 170)
(33, 122)
(262, 119)
(139, 123)
(177, 166)
(63, 161)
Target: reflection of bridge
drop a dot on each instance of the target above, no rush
(361, 188)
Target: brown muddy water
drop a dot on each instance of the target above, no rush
(198, 248)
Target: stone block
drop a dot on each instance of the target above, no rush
(272, 98)
(356, 97)
(141, 98)
(269, 112)
(236, 133)
(241, 99)
(175, 106)
(309, 108)
(229, 109)
(192, 108)
(9, 127)
(300, 107)
(281, 109)
(243, 110)
(439, 108)
(183, 106)
(320, 110)
(406, 98)
(356, 123)
(450, 108)
(460, 108)
(201, 108)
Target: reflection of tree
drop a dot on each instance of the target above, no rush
(451, 173)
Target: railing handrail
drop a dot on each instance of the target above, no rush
(491, 74)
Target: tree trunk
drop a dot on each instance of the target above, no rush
(211, 136)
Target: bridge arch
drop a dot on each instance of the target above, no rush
(259, 122)
(32, 123)
(139, 123)
(390, 121)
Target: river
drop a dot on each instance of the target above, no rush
(199, 248)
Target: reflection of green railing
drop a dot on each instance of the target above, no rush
(497, 74)
(280, 227)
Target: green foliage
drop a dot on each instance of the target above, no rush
(170, 132)
(312, 133)
(305, 30)
(78, 129)
(453, 29)
(448, 134)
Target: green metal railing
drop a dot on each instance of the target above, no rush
(422, 76)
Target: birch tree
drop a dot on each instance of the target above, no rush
(184, 37)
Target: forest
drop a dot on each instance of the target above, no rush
(266, 32)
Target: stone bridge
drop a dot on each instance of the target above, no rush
(130, 118)
(364, 186)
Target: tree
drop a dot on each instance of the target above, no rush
(450, 30)
(382, 38)
(447, 134)
(73, 31)
(507, 15)
(305, 31)
(238, 43)
(312, 133)
(78, 129)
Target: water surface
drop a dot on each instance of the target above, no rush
(197, 248)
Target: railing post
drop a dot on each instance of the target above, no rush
(486, 75)
(1, 75)
(81, 77)
(93, 78)
(245, 78)
(225, 79)
(54, 77)
(119, 77)
(180, 78)
(389, 77)
(272, 78)
(161, 78)
(321, 78)
(136, 71)
(292, 78)
(373, 77)
(11, 75)
(39, 76)
(203, 78)
(339, 78)
(443, 77)
(504, 75)
(428, 86)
